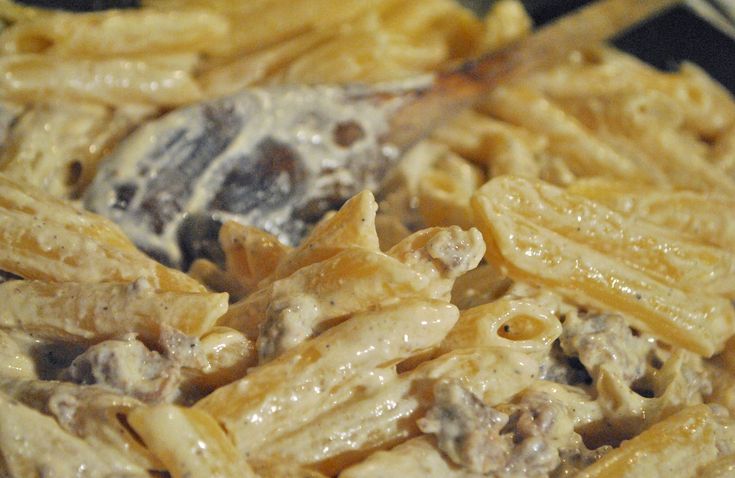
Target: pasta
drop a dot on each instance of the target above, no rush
(317, 363)
(503, 323)
(32, 77)
(582, 153)
(40, 150)
(703, 217)
(654, 452)
(321, 292)
(193, 430)
(352, 226)
(251, 255)
(116, 33)
(72, 245)
(15, 363)
(685, 165)
(444, 192)
(502, 148)
(97, 417)
(573, 260)
(544, 287)
(414, 457)
(721, 467)
(24, 425)
(228, 355)
(94, 312)
(322, 443)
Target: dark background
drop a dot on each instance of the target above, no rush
(665, 41)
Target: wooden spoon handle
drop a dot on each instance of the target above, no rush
(459, 88)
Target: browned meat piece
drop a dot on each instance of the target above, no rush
(606, 339)
(467, 430)
(127, 366)
(181, 348)
(557, 367)
(456, 251)
(529, 441)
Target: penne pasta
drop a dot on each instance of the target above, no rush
(251, 255)
(280, 469)
(390, 230)
(325, 293)
(264, 23)
(399, 40)
(46, 239)
(501, 147)
(215, 279)
(505, 323)
(675, 447)
(11, 11)
(228, 77)
(721, 468)
(47, 447)
(388, 416)
(35, 77)
(92, 413)
(445, 191)
(417, 457)
(15, 362)
(667, 258)
(298, 385)
(679, 155)
(117, 33)
(531, 242)
(57, 146)
(466, 134)
(505, 23)
(706, 217)
(352, 226)
(188, 442)
(90, 313)
(228, 355)
(322, 293)
(723, 152)
(598, 71)
(368, 52)
(581, 151)
(707, 105)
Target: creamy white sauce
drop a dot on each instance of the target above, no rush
(302, 117)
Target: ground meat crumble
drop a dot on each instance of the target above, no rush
(127, 366)
(532, 438)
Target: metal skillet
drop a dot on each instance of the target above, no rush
(279, 158)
